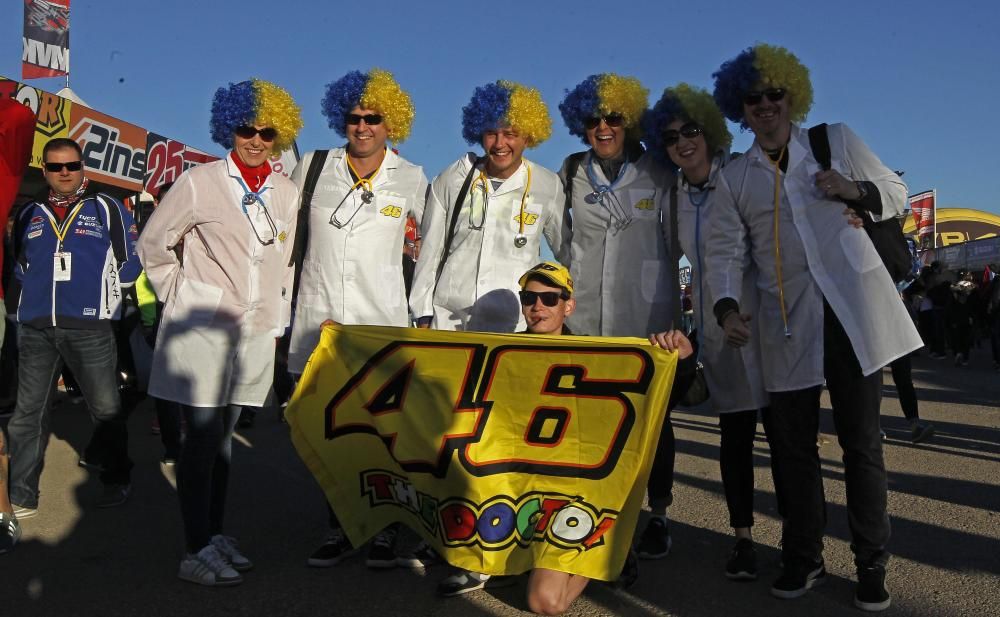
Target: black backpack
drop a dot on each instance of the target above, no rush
(886, 235)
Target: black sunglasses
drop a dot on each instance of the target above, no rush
(689, 131)
(773, 94)
(71, 166)
(613, 120)
(370, 119)
(549, 298)
(266, 134)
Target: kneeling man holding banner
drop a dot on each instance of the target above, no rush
(507, 453)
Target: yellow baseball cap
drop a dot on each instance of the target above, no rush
(553, 272)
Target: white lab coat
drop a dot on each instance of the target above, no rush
(621, 276)
(227, 296)
(354, 274)
(733, 375)
(821, 257)
(478, 286)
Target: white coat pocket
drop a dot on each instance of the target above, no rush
(858, 249)
(642, 204)
(196, 303)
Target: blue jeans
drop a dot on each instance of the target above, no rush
(91, 355)
(203, 471)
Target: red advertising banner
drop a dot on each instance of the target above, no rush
(45, 43)
(167, 159)
(52, 113)
(923, 207)
(114, 151)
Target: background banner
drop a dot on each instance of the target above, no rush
(506, 452)
(167, 159)
(52, 113)
(114, 151)
(45, 44)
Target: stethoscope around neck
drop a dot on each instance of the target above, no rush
(479, 200)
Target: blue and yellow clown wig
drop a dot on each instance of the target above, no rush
(600, 95)
(376, 90)
(762, 66)
(255, 102)
(506, 103)
(688, 104)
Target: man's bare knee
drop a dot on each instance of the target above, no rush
(547, 602)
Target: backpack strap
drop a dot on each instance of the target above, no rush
(457, 206)
(302, 218)
(819, 142)
(572, 168)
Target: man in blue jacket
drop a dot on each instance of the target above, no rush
(75, 254)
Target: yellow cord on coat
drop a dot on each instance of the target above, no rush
(777, 239)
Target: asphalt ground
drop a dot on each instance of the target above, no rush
(74, 559)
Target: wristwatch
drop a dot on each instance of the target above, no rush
(862, 190)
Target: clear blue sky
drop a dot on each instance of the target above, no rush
(919, 81)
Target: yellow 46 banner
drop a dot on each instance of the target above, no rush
(505, 451)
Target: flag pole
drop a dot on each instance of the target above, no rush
(935, 238)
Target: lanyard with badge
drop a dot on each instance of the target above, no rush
(604, 194)
(250, 198)
(62, 261)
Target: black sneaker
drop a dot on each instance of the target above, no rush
(114, 495)
(335, 548)
(922, 431)
(10, 532)
(797, 578)
(465, 581)
(381, 553)
(423, 556)
(871, 594)
(655, 542)
(629, 574)
(742, 564)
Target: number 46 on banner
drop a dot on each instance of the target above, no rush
(510, 411)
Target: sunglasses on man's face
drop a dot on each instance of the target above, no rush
(773, 94)
(266, 134)
(688, 131)
(370, 119)
(70, 166)
(549, 298)
(612, 120)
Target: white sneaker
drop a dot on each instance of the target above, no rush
(208, 567)
(229, 548)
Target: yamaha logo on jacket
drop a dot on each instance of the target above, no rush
(99, 236)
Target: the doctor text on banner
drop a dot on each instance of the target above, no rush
(507, 452)
(45, 43)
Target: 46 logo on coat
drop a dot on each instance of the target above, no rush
(511, 411)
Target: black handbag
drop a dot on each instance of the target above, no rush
(886, 235)
(697, 393)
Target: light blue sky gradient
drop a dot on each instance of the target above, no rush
(918, 81)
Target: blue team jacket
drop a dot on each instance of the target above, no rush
(100, 235)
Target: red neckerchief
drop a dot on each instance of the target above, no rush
(253, 176)
(61, 203)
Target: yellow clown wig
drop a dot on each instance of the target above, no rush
(254, 102)
(600, 95)
(506, 103)
(376, 90)
(762, 66)
(688, 104)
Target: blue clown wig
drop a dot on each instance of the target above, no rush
(687, 104)
(600, 95)
(762, 66)
(502, 104)
(376, 90)
(254, 102)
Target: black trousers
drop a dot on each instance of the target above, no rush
(792, 423)
(902, 376)
(660, 485)
(738, 430)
